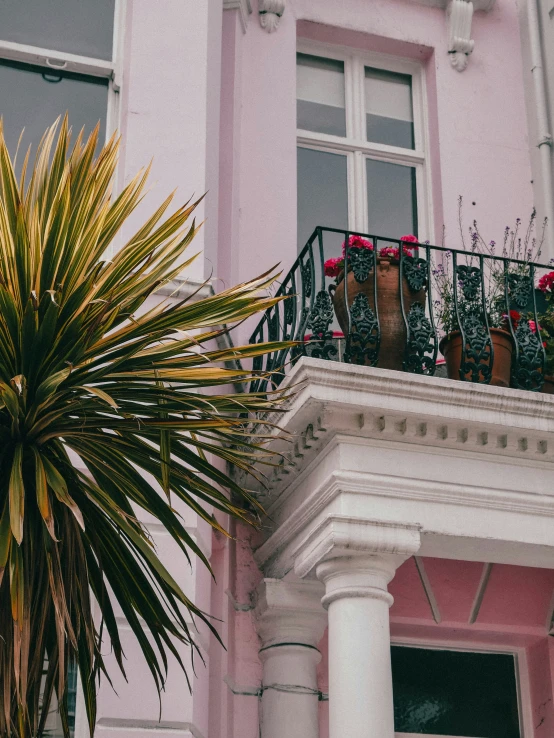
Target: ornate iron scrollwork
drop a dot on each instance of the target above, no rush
(319, 321)
(289, 304)
(520, 288)
(415, 271)
(361, 261)
(362, 345)
(306, 270)
(273, 325)
(421, 341)
(477, 351)
(527, 372)
(469, 278)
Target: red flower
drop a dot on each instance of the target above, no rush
(357, 242)
(394, 251)
(333, 267)
(409, 239)
(546, 282)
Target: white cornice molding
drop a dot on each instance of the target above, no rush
(243, 6)
(271, 12)
(342, 536)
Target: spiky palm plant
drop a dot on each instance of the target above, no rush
(102, 414)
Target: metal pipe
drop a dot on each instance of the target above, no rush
(544, 142)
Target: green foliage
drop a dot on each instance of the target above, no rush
(90, 371)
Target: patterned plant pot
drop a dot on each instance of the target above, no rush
(365, 329)
(451, 348)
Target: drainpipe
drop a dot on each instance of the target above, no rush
(544, 136)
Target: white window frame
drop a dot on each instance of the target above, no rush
(525, 709)
(354, 144)
(55, 60)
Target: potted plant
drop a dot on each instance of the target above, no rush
(546, 319)
(478, 321)
(362, 295)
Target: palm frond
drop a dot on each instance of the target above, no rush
(89, 368)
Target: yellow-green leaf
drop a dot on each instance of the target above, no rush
(17, 494)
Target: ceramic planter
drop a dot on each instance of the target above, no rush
(451, 349)
(391, 323)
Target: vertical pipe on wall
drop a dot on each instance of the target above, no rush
(544, 142)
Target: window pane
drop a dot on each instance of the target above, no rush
(388, 107)
(83, 27)
(322, 192)
(454, 693)
(28, 100)
(320, 95)
(391, 199)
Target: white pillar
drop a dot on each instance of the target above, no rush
(290, 621)
(356, 559)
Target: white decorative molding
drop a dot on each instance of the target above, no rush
(289, 612)
(340, 535)
(460, 44)
(271, 12)
(243, 6)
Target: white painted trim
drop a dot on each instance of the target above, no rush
(354, 63)
(521, 670)
(375, 151)
(55, 60)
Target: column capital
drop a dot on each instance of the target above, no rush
(340, 536)
(290, 612)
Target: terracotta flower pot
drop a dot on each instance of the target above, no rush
(548, 386)
(451, 348)
(391, 323)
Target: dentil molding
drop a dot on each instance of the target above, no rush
(271, 12)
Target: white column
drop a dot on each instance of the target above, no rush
(356, 559)
(290, 621)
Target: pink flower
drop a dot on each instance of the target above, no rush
(333, 267)
(546, 282)
(394, 251)
(357, 242)
(409, 239)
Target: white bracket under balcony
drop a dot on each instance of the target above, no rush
(271, 12)
(460, 16)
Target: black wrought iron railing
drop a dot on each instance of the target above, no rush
(394, 304)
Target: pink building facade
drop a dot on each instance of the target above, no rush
(403, 581)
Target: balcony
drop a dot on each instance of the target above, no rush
(403, 304)
(381, 461)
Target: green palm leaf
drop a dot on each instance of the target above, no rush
(89, 368)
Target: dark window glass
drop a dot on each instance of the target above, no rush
(33, 97)
(454, 693)
(391, 199)
(388, 107)
(83, 27)
(322, 194)
(320, 95)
